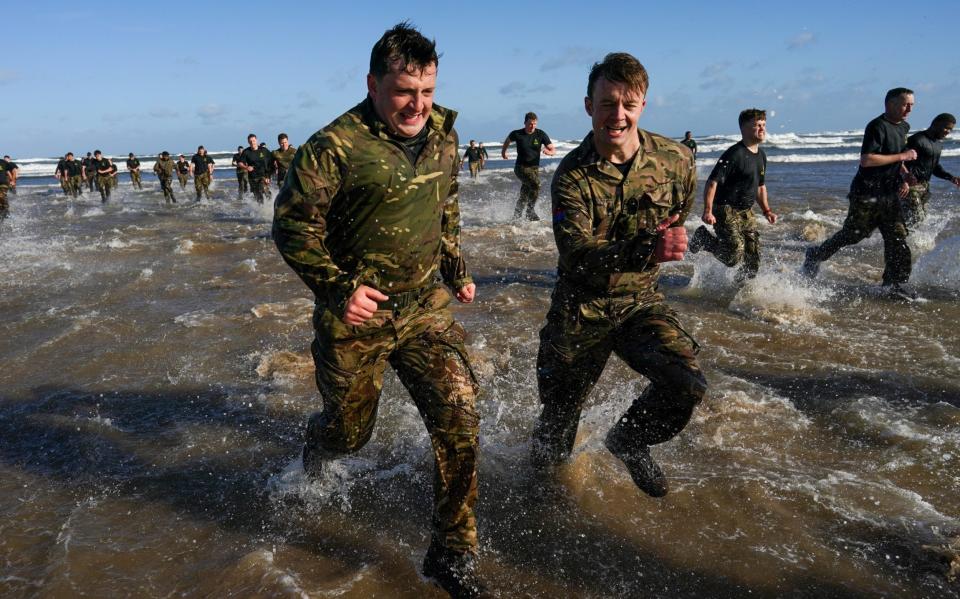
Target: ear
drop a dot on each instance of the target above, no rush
(588, 105)
(372, 85)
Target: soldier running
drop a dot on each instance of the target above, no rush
(201, 167)
(164, 168)
(530, 143)
(283, 158)
(133, 167)
(928, 144)
(242, 181)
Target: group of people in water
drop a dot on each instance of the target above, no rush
(368, 217)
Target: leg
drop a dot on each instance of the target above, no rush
(860, 222)
(198, 185)
(896, 253)
(728, 245)
(751, 246)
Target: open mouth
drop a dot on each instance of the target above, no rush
(616, 130)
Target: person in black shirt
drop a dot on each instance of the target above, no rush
(530, 143)
(183, 171)
(928, 145)
(242, 180)
(483, 155)
(474, 158)
(133, 167)
(72, 174)
(89, 171)
(737, 181)
(256, 161)
(875, 195)
(101, 170)
(690, 143)
(14, 173)
(201, 165)
(58, 173)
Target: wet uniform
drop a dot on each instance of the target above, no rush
(90, 168)
(183, 172)
(283, 159)
(527, 168)
(114, 181)
(362, 207)
(4, 188)
(739, 174)
(242, 179)
(914, 207)
(874, 204)
(104, 180)
(164, 170)
(133, 167)
(474, 157)
(201, 174)
(606, 298)
(59, 174)
(260, 159)
(73, 174)
(690, 143)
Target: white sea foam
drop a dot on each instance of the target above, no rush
(941, 266)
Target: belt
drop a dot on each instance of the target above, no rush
(399, 301)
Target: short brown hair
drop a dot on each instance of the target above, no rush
(402, 47)
(751, 113)
(619, 67)
(530, 116)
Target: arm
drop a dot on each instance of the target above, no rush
(764, 205)
(453, 267)
(503, 150)
(549, 150)
(210, 168)
(709, 192)
(871, 160)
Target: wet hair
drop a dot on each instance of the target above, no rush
(200, 148)
(282, 137)
(688, 134)
(263, 144)
(895, 93)
(530, 116)
(239, 147)
(251, 135)
(750, 114)
(69, 154)
(619, 67)
(473, 141)
(131, 153)
(95, 152)
(165, 154)
(402, 47)
(944, 118)
(88, 154)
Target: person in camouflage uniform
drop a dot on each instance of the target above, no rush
(133, 167)
(369, 218)
(73, 173)
(736, 182)
(257, 161)
(875, 197)
(201, 166)
(101, 167)
(242, 182)
(183, 171)
(928, 144)
(58, 173)
(164, 169)
(619, 202)
(89, 171)
(283, 158)
(473, 157)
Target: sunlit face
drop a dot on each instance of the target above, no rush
(615, 109)
(404, 99)
(900, 107)
(530, 125)
(754, 131)
(284, 144)
(252, 140)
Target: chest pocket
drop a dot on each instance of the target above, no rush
(642, 212)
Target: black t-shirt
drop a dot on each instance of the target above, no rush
(529, 146)
(4, 172)
(411, 146)
(237, 158)
(927, 163)
(690, 144)
(739, 173)
(880, 137)
(90, 164)
(259, 159)
(472, 154)
(113, 169)
(102, 164)
(60, 164)
(133, 163)
(183, 167)
(72, 168)
(200, 163)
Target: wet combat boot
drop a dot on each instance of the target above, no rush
(454, 572)
(645, 472)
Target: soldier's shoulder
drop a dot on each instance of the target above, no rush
(670, 151)
(339, 134)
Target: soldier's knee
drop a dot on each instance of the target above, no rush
(689, 386)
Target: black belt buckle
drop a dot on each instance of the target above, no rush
(399, 301)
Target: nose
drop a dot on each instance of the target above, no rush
(417, 102)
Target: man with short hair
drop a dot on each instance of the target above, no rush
(164, 168)
(283, 158)
(530, 143)
(875, 194)
(928, 144)
(73, 174)
(690, 143)
(104, 173)
(183, 171)
(483, 155)
(114, 171)
(256, 161)
(133, 167)
(369, 219)
(201, 166)
(242, 181)
(473, 157)
(89, 171)
(736, 182)
(619, 202)
(58, 174)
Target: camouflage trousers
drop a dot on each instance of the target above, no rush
(243, 183)
(737, 240)
(913, 208)
(166, 186)
(474, 168)
(104, 184)
(425, 346)
(863, 216)
(135, 179)
(201, 183)
(256, 186)
(281, 177)
(183, 177)
(91, 182)
(575, 344)
(74, 186)
(529, 190)
(4, 206)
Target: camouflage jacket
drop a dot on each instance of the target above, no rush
(354, 210)
(284, 159)
(164, 168)
(605, 223)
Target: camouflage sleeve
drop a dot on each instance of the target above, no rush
(300, 224)
(580, 250)
(453, 268)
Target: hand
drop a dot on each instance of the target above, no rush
(955, 181)
(771, 217)
(903, 190)
(362, 305)
(908, 155)
(504, 155)
(672, 242)
(466, 293)
(708, 218)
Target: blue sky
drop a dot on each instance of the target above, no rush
(143, 77)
